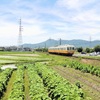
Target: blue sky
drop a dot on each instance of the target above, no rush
(44, 19)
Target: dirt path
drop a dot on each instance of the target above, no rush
(9, 86)
(27, 97)
(91, 62)
(90, 84)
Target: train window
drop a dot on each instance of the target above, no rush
(72, 48)
(67, 48)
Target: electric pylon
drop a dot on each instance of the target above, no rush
(20, 47)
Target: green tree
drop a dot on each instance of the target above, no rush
(80, 49)
(97, 48)
(45, 50)
(87, 50)
(92, 50)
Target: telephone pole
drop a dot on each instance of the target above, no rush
(90, 41)
(60, 41)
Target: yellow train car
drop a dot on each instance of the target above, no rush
(62, 49)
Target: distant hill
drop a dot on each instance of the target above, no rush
(52, 42)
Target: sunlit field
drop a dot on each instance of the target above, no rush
(43, 76)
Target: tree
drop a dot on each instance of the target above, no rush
(87, 50)
(97, 48)
(92, 50)
(45, 50)
(80, 49)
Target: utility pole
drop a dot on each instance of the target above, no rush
(60, 42)
(90, 41)
(45, 45)
(20, 47)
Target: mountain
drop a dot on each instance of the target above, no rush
(52, 42)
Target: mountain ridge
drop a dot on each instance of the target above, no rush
(52, 42)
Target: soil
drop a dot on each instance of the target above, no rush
(92, 62)
(89, 83)
(27, 97)
(9, 86)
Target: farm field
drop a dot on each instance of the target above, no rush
(41, 76)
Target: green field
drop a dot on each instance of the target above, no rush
(41, 76)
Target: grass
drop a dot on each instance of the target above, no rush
(18, 57)
(6, 61)
(14, 52)
(86, 56)
(9, 86)
(26, 83)
(86, 80)
(53, 60)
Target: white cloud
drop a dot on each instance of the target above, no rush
(67, 19)
(74, 4)
(33, 30)
(71, 4)
(85, 16)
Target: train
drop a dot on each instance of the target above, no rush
(66, 49)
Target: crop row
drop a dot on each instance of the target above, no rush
(4, 78)
(37, 91)
(80, 66)
(85, 68)
(44, 84)
(58, 87)
(17, 92)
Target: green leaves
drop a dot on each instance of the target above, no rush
(4, 77)
(58, 87)
(36, 88)
(17, 92)
(85, 68)
(44, 84)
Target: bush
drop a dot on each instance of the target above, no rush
(97, 48)
(80, 49)
(87, 50)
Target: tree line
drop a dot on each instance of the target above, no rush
(89, 50)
